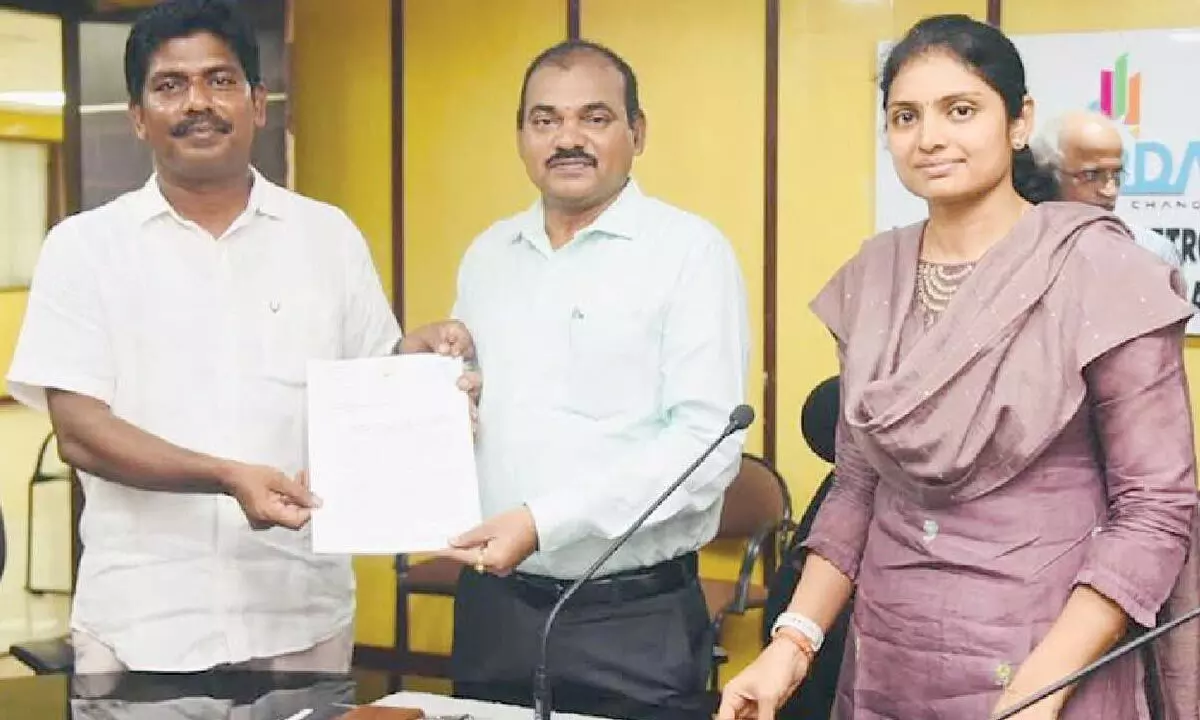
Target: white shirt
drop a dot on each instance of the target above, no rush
(608, 366)
(202, 342)
(1157, 244)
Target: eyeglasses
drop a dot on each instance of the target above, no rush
(1096, 176)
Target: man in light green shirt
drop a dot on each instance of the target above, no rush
(612, 332)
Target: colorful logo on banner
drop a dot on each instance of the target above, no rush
(1156, 168)
(1121, 95)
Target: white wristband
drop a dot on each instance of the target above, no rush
(803, 625)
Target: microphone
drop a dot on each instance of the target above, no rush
(740, 419)
(1113, 654)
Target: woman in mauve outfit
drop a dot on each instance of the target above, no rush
(1015, 466)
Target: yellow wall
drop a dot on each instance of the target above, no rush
(463, 63)
(341, 97)
(341, 94)
(20, 126)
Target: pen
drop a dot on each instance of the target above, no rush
(300, 715)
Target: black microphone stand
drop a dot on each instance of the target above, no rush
(739, 419)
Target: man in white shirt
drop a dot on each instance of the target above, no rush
(1087, 153)
(167, 335)
(612, 332)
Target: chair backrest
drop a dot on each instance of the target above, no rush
(758, 510)
(757, 498)
(819, 416)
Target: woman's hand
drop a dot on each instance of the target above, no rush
(760, 689)
(1045, 709)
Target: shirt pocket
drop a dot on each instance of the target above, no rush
(295, 329)
(612, 361)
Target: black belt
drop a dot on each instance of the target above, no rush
(625, 586)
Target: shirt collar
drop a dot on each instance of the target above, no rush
(266, 198)
(620, 219)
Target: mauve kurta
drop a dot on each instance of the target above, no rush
(952, 597)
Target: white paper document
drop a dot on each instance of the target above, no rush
(390, 454)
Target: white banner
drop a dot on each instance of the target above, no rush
(1138, 78)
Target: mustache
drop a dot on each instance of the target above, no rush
(192, 121)
(571, 154)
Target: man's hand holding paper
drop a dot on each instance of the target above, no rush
(390, 446)
(450, 338)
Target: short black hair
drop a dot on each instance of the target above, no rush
(173, 19)
(562, 55)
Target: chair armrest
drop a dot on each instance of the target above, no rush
(785, 534)
(46, 657)
(41, 478)
(754, 548)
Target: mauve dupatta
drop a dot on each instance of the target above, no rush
(986, 389)
(993, 382)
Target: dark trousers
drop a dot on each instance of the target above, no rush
(639, 659)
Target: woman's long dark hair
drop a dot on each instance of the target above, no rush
(995, 59)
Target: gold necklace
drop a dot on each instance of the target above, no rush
(937, 283)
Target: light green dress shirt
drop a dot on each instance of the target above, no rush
(609, 365)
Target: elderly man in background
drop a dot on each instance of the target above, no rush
(1086, 151)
